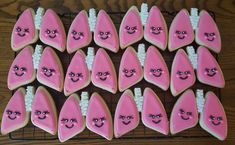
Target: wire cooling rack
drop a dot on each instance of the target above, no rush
(31, 132)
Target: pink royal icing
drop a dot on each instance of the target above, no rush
(105, 34)
(131, 29)
(79, 34)
(21, 71)
(155, 30)
(155, 69)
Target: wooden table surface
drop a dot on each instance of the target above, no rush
(225, 17)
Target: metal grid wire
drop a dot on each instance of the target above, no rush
(31, 132)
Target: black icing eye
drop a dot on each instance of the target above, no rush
(101, 33)
(134, 28)
(152, 70)
(152, 116)
(73, 120)
(159, 115)
(159, 70)
(107, 33)
(99, 73)
(106, 73)
(44, 69)
(179, 72)
(102, 118)
(80, 34)
(16, 68)
(125, 70)
(213, 69)
(45, 112)
(129, 117)
(159, 28)
(17, 113)
(219, 118)
(182, 111)
(207, 69)
(64, 120)
(26, 30)
(132, 71)
(122, 117)
(95, 119)
(74, 32)
(9, 112)
(23, 69)
(18, 29)
(153, 28)
(127, 28)
(51, 70)
(189, 113)
(212, 117)
(187, 72)
(184, 32)
(79, 75)
(212, 34)
(48, 31)
(54, 31)
(178, 32)
(37, 112)
(71, 74)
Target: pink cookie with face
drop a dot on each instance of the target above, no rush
(155, 30)
(52, 31)
(126, 115)
(131, 30)
(24, 33)
(98, 117)
(184, 114)
(79, 34)
(105, 34)
(21, 71)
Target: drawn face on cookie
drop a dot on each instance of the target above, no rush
(156, 118)
(69, 122)
(156, 72)
(48, 72)
(12, 115)
(77, 35)
(156, 30)
(41, 115)
(99, 121)
(215, 120)
(21, 31)
(183, 75)
(180, 34)
(102, 75)
(185, 115)
(126, 119)
(130, 29)
(211, 71)
(75, 77)
(129, 72)
(209, 36)
(104, 35)
(19, 71)
(51, 33)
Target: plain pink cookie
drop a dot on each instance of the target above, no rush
(15, 115)
(184, 114)
(105, 34)
(98, 117)
(130, 70)
(103, 72)
(213, 118)
(181, 31)
(208, 70)
(155, 30)
(155, 69)
(207, 33)
(52, 31)
(182, 73)
(78, 75)
(71, 121)
(79, 34)
(50, 71)
(131, 29)
(126, 115)
(43, 114)
(21, 71)
(153, 113)
(24, 33)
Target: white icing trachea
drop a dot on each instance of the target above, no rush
(138, 98)
(194, 18)
(38, 17)
(84, 103)
(192, 56)
(90, 57)
(29, 98)
(92, 19)
(144, 13)
(36, 56)
(141, 53)
(200, 100)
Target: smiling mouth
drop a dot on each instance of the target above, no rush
(74, 80)
(104, 38)
(130, 32)
(128, 75)
(212, 39)
(69, 127)
(21, 35)
(12, 118)
(156, 33)
(76, 38)
(157, 75)
(42, 118)
(102, 79)
(126, 123)
(48, 75)
(52, 37)
(156, 122)
(211, 74)
(183, 78)
(97, 125)
(181, 37)
(19, 75)
(218, 123)
(185, 118)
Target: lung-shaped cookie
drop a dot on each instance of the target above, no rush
(21, 71)
(155, 69)
(208, 70)
(98, 117)
(79, 34)
(153, 113)
(131, 29)
(43, 114)
(71, 121)
(105, 34)
(52, 31)
(184, 114)
(181, 31)
(207, 33)
(50, 71)
(24, 33)
(78, 75)
(213, 118)
(15, 115)
(182, 73)
(126, 115)
(155, 30)
(103, 72)
(130, 70)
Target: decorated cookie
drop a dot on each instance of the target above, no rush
(126, 115)
(184, 114)
(131, 29)
(182, 73)
(207, 33)
(130, 70)
(153, 112)
(52, 31)
(155, 69)
(15, 115)
(213, 118)
(50, 71)
(181, 31)
(208, 70)
(21, 71)
(98, 117)
(23, 33)
(79, 34)
(105, 34)
(103, 72)
(43, 114)
(155, 30)
(78, 75)
(71, 121)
